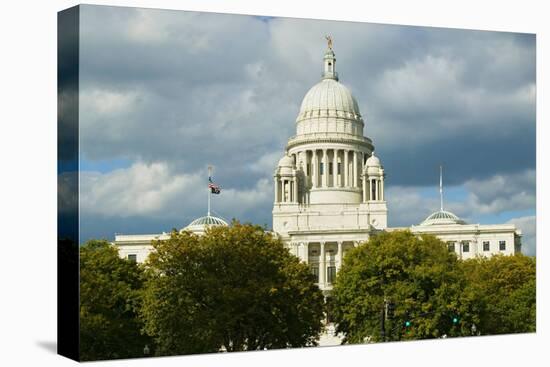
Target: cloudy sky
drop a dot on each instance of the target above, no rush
(165, 93)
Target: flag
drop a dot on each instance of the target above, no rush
(214, 188)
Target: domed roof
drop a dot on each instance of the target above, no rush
(373, 161)
(199, 225)
(330, 96)
(442, 217)
(286, 161)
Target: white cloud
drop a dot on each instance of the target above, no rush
(157, 190)
(407, 207)
(142, 189)
(497, 194)
(267, 163)
(187, 89)
(108, 103)
(527, 225)
(247, 204)
(502, 192)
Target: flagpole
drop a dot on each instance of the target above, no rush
(441, 186)
(209, 189)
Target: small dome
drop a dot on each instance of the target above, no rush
(442, 217)
(199, 225)
(286, 161)
(373, 161)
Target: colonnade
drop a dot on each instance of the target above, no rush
(328, 167)
(319, 261)
(286, 189)
(373, 188)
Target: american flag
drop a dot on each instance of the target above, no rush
(214, 188)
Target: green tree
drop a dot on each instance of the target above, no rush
(505, 287)
(234, 288)
(109, 303)
(416, 273)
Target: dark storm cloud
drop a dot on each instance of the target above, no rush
(195, 81)
(187, 89)
(67, 88)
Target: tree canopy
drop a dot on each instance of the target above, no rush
(234, 288)
(434, 294)
(505, 288)
(416, 274)
(109, 304)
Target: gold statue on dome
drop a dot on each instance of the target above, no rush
(329, 41)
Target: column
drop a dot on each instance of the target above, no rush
(354, 183)
(346, 168)
(276, 188)
(282, 188)
(382, 187)
(295, 187)
(306, 176)
(325, 169)
(311, 168)
(330, 178)
(338, 162)
(340, 255)
(364, 179)
(335, 169)
(305, 252)
(315, 167)
(322, 266)
(360, 169)
(287, 191)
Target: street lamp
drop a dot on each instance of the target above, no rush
(146, 350)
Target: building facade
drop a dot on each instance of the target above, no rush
(329, 192)
(136, 247)
(329, 188)
(329, 185)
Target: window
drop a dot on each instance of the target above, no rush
(451, 246)
(331, 274)
(338, 167)
(321, 168)
(486, 246)
(330, 168)
(465, 246)
(315, 271)
(502, 245)
(132, 257)
(308, 169)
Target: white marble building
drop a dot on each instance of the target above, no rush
(329, 192)
(321, 212)
(137, 247)
(329, 186)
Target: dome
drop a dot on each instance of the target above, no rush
(286, 161)
(329, 97)
(328, 108)
(199, 225)
(442, 217)
(373, 161)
